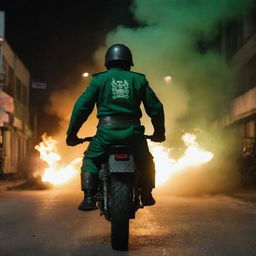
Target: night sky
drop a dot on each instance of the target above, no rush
(56, 40)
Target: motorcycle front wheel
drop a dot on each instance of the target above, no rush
(121, 202)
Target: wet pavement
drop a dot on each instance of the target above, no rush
(48, 223)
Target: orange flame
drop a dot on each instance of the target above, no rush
(166, 165)
(194, 155)
(55, 173)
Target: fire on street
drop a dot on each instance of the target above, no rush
(48, 223)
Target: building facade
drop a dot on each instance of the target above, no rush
(15, 132)
(238, 44)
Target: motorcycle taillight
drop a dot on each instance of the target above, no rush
(121, 157)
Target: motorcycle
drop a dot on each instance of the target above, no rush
(118, 196)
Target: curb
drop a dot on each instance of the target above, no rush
(241, 200)
(10, 185)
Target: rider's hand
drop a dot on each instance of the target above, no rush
(73, 140)
(158, 137)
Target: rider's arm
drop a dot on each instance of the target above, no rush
(154, 109)
(83, 108)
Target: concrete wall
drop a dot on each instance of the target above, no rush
(245, 53)
(15, 134)
(13, 60)
(243, 106)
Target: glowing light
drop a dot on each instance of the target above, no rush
(85, 74)
(167, 79)
(166, 165)
(55, 173)
(163, 162)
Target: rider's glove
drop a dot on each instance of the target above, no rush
(158, 137)
(159, 129)
(73, 140)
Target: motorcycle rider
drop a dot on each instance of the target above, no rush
(117, 93)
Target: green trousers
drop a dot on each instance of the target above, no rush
(132, 136)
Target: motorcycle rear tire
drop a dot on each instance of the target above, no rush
(121, 196)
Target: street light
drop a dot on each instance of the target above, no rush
(167, 79)
(85, 74)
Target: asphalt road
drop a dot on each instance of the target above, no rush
(35, 223)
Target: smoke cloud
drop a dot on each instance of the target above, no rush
(61, 105)
(179, 38)
(169, 42)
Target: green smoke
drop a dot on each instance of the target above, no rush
(168, 43)
(177, 38)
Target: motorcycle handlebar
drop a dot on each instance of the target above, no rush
(88, 139)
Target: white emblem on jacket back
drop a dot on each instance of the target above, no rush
(120, 89)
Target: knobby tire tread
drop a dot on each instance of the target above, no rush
(120, 210)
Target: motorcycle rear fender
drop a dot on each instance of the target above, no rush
(117, 166)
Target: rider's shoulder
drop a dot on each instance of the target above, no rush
(99, 73)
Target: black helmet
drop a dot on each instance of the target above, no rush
(118, 52)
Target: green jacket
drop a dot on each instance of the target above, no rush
(115, 92)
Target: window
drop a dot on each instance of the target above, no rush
(247, 77)
(11, 81)
(25, 95)
(18, 90)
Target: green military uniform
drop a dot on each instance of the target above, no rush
(116, 92)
